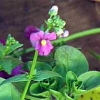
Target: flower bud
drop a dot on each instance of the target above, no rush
(65, 34)
(53, 11)
(60, 32)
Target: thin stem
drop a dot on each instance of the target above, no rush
(30, 75)
(76, 35)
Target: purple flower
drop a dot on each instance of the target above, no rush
(16, 71)
(65, 34)
(30, 29)
(2, 41)
(41, 42)
(3, 74)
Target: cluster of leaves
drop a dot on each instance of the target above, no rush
(65, 76)
(7, 61)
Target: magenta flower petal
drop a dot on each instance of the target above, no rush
(49, 45)
(44, 50)
(38, 48)
(47, 49)
(40, 34)
(38, 45)
(50, 36)
(34, 38)
(30, 29)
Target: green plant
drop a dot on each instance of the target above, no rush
(59, 74)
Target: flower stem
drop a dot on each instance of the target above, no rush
(30, 75)
(62, 41)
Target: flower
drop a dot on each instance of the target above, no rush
(41, 42)
(30, 29)
(3, 74)
(65, 34)
(53, 11)
(16, 71)
(2, 41)
(62, 33)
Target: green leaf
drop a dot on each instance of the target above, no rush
(34, 98)
(41, 75)
(53, 84)
(70, 76)
(14, 47)
(2, 48)
(42, 27)
(8, 92)
(20, 86)
(68, 97)
(47, 59)
(48, 84)
(17, 78)
(72, 58)
(6, 65)
(9, 63)
(70, 79)
(15, 62)
(43, 66)
(90, 79)
(61, 69)
(94, 54)
(57, 95)
(39, 66)
(37, 91)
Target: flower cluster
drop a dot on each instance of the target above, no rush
(40, 38)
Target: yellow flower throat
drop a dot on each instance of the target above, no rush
(43, 42)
